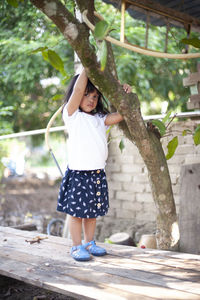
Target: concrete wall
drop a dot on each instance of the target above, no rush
(131, 205)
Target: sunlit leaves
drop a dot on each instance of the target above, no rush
(172, 145)
(151, 78)
(196, 135)
(25, 33)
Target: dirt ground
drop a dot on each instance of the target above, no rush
(12, 289)
(27, 199)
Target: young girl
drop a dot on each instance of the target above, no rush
(84, 192)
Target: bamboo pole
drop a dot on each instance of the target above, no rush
(147, 31)
(123, 8)
(139, 49)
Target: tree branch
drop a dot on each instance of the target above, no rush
(77, 35)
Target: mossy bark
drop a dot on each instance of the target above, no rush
(128, 105)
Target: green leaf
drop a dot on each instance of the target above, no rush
(195, 42)
(55, 60)
(45, 55)
(103, 55)
(166, 118)
(172, 145)
(186, 131)
(101, 29)
(57, 97)
(121, 145)
(196, 136)
(109, 129)
(13, 3)
(160, 125)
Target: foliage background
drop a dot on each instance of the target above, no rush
(27, 104)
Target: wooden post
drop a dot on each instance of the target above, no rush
(166, 36)
(147, 30)
(193, 80)
(190, 209)
(123, 8)
(188, 29)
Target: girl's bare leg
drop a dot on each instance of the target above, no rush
(89, 226)
(75, 229)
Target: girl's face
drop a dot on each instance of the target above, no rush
(89, 101)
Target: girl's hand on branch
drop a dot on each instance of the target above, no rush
(127, 88)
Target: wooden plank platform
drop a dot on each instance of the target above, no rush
(125, 273)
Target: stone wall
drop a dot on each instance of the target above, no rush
(131, 204)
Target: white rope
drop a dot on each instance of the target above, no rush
(61, 128)
(49, 126)
(30, 132)
(136, 48)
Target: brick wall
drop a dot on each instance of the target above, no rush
(131, 204)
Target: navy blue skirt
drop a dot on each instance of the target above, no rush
(84, 194)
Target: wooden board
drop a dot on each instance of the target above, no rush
(125, 273)
(192, 79)
(190, 208)
(194, 102)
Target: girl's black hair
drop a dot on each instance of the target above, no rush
(101, 104)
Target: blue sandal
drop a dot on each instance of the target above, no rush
(93, 249)
(79, 253)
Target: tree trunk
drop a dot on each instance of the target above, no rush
(128, 105)
(167, 226)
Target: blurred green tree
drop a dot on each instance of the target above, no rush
(24, 88)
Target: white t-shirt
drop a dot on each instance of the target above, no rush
(87, 141)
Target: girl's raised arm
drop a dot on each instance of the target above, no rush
(114, 118)
(77, 94)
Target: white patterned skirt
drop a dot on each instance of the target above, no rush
(84, 194)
